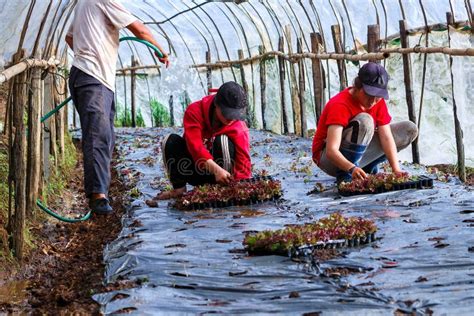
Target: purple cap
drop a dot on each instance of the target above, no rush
(232, 100)
(374, 80)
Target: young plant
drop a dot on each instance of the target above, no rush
(237, 192)
(331, 228)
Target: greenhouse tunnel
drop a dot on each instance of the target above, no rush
(291, 57)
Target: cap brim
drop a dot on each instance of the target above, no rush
(234, 114)
(375, 91)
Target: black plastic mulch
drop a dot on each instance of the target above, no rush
(194, 262)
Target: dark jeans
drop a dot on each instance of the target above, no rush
(361, 145)
(181, 167)
(96, 107)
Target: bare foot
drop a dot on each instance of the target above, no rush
(172, 194)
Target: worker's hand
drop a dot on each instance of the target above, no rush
(358, 174)
(223, 176)
(163, 60)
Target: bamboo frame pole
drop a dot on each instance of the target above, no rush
(318, 80)
(133, 92)
(302, 88)
(33, 166)
(295, 100)
(457, 124)
(281, 68)
(409, 87)
(341, 67)
(208, 72)
(245, 85)
(18, 148)
(263, 87)
(373, 39)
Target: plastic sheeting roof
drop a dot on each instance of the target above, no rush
(189, 28)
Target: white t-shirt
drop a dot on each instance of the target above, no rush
(95, 33)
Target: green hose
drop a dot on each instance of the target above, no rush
(64, 219)
(130, 38)
(57, 108)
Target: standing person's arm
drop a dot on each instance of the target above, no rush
(333, 143)
(389, 147)
(142, 32)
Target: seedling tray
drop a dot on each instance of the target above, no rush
(184, 204)
(335, 231)
(422, 182)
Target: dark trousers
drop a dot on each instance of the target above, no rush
(96, 106)
(181, 167)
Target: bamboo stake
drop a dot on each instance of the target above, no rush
(245, 85)
(21, 66)
(209, 72)
(373, 39)
(457, 124)
(33, 166)
(302, 88)
(281, 67)
(295, 101)
(294, 58)
(171, 106)
(409, 87)
(60, 122)
(336, 35)
(318, 80)
(133, 91)
(19, 146)
(263, 87)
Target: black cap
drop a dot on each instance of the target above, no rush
(374, 80)
(232, 101)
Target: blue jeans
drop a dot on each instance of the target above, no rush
(96, 107)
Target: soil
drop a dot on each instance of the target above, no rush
(65, 268)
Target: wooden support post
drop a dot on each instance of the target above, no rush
(59, 118)
(341, 67)
(281, 67)
(302, 88)
(245, 85)
(373, 39)
(33, 167)
(263, 86)
(457, 125)
(50, 124)
(295, 100)
(46, 143)
(409, 87)
(208, 72)
(318, 79)
(171, 106)
(19, 165)
(133, 78)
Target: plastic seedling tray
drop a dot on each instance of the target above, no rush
(331, 244)
(332, 232)
(423, 182)
(218, 203)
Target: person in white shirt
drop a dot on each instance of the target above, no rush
(94, 38)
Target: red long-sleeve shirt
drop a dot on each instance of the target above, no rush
(199, 136)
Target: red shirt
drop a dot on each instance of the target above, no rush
(339, 111)
(199, 136)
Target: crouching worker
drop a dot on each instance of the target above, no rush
(215, 145)
(354, 132)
